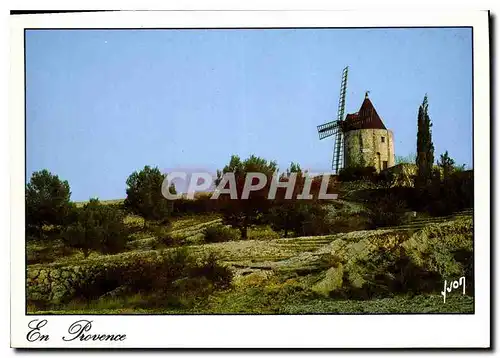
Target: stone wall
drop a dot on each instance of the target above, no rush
(56, 283)
(369, 147)
(53, 284)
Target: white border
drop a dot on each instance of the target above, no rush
(350, 331)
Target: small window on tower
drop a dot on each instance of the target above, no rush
(384, 164)
(383, 139)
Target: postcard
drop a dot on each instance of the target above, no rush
(260, 179)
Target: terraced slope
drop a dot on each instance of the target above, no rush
(301, 255)
(419, 223)
(190, 229)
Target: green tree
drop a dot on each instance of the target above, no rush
(295, 215)
(243, 213)
(447, 165)
(408, 159)
(285, 215)
(47, 201)
(425, 147)
(299, 216)
(97, 228)
(144, 196)
(294, 168)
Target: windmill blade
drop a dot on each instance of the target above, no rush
(328, 129)
(338, 152)
(338, 147)
(343, 91)
(336, 128)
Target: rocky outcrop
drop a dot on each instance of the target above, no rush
(331, 282)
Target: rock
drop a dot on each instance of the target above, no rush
(58, 293)
(356, 278)
(254, 278)
(331, 282)
(42, 275)
(117, 292)
(32, 274)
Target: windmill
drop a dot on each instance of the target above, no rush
(338, 127)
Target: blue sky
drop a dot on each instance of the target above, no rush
(102, 104)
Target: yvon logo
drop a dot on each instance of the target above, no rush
(453, 285)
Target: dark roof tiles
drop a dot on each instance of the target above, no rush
(366, 118)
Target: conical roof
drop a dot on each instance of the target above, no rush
(366, 118)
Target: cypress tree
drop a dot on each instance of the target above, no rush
(425, 147)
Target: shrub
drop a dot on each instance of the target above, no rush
(289, 216)
(262, 232)
(385, 179)
(301, 218)
(98, 228)
(202, 204)
(46, 252)
(221, 233)
(454, 194)
(388, 211)
(168, 240)
(357, 173)
(315, 219)
(344, 223)
(209, 267)
(164, 237)
(174, 278)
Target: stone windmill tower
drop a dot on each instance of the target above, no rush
(361, 139)
(367, 142)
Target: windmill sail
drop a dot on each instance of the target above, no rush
(328, 129)
(336, 128)
(338, 152)
(338, 148)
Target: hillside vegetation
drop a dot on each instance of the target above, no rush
(383, 270)
(378, 248)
